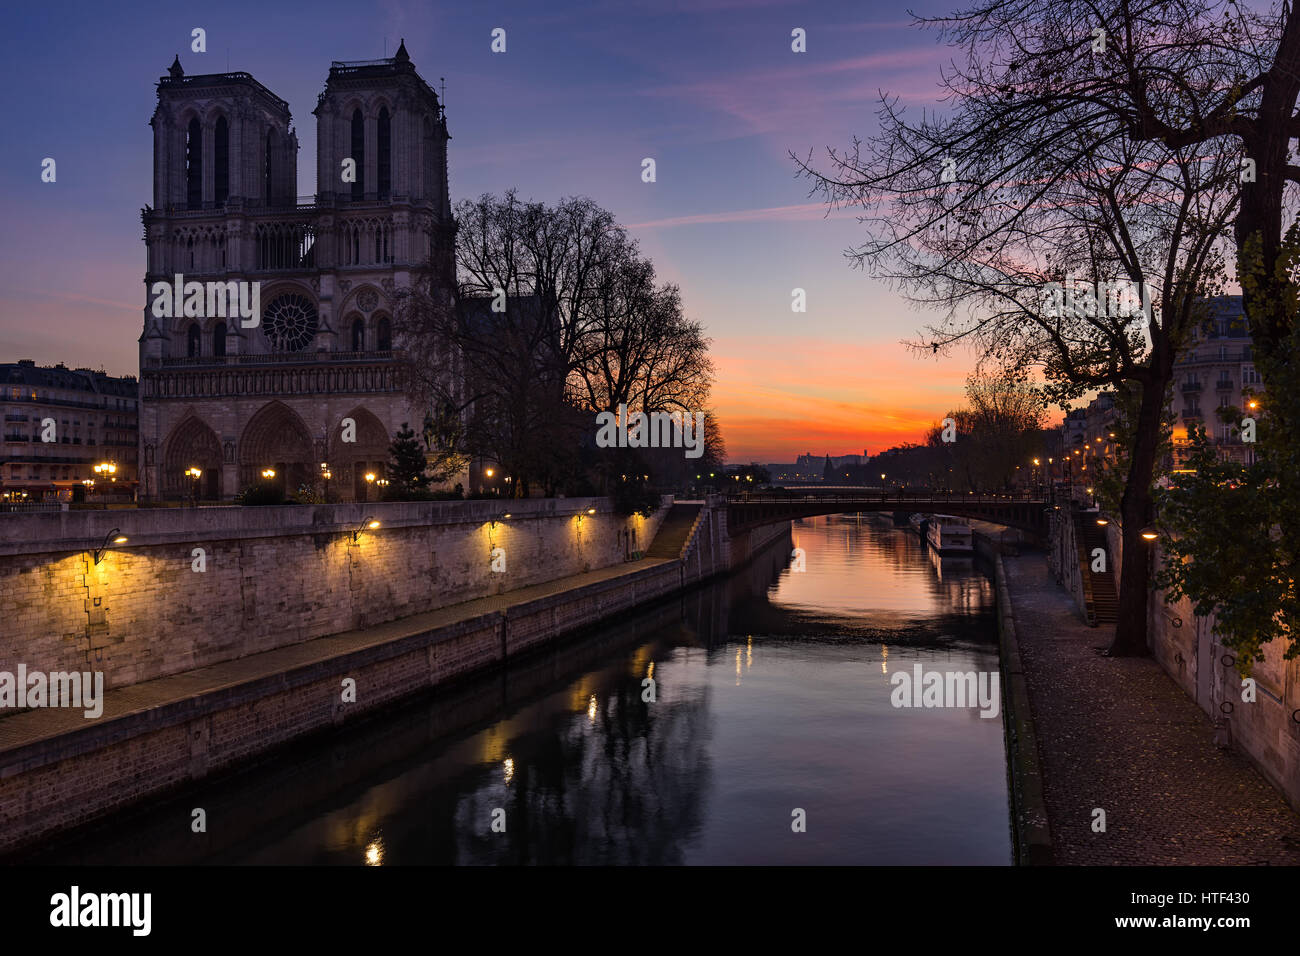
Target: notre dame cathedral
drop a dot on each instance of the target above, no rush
(237, 401)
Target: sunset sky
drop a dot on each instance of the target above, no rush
(709, 88)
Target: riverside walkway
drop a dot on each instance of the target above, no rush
(1120, 735)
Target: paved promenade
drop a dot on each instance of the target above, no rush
(1118, 734)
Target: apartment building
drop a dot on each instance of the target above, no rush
(59, 424)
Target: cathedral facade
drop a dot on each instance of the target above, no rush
(313, 384)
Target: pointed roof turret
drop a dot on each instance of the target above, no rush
(175, 70)
(401, 55)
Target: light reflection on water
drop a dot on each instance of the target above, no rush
(770, 694)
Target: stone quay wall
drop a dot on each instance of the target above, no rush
(273, 576)
(209, 722)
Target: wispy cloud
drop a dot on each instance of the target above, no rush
(795, 213)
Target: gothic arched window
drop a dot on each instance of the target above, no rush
(193, 340)
(385, 155)
(221, 160)
(358, 336)
(359, 154)
(383, 335)
(194, 165)
(219, 339)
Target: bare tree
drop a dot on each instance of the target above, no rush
(989, 213)
(555, 316)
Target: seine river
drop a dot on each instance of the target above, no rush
(771, 739)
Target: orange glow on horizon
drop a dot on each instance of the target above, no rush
(777, 399)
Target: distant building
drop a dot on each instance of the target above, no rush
(95, 422)
(1215, 372)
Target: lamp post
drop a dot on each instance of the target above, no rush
(106, 469)
(370, 480)
(326, 475)
(194, 474)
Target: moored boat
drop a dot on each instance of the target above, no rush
(948, 534)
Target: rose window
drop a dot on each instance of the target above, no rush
(289, 323)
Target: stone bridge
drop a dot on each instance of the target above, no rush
(750, 510)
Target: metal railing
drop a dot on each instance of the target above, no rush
(887, 496)
(272, 358)
(28, 507)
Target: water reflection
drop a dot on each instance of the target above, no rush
(766, 697)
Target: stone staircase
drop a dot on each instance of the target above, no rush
(1104, 593)
(674, 532)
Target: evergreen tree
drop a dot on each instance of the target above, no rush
(406, 461)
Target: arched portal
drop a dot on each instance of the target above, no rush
(350, 461)
(276, 438)
(191, 444)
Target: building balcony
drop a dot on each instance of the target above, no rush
(1191, 387)
(1192, 414)
(1224, 384)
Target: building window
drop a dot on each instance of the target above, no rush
(385, 155)
(221, 157)
(193, 339)
(194, 165)
(359, 154)
(383, 335)
(358, 336)
(219, 339)
(268, 181)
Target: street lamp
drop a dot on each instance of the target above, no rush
(268, 473)
(326, 474)
(114, 537)
(367, 523)
(193, 474)
(107, 469)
